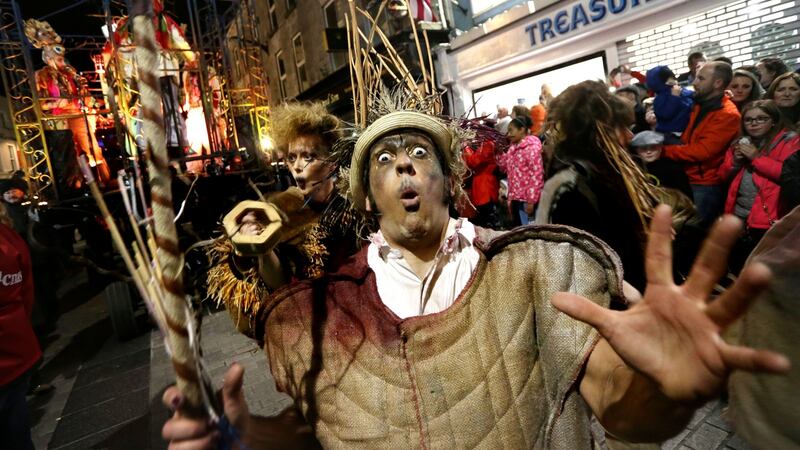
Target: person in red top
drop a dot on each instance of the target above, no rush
(484, 191)
(753, 166)
(19, 348)
(714, 123)
(523, 164)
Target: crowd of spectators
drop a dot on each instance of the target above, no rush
(715, 139)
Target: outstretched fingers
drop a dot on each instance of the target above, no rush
(736, 300)
(712, 262)
(583, 309)
(752, 360)
(658, 257)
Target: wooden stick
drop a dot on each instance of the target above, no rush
(168, 254)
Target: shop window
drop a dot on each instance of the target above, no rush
(281, 73)
(300, 61)
(526, 89)
(334, 20)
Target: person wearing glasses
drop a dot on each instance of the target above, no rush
(753, 167)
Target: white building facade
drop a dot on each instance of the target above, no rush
(505, 60)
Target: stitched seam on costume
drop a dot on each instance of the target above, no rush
(414, 397)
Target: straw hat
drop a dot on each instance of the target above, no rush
(440, 133)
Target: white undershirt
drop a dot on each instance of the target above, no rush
(402, 291)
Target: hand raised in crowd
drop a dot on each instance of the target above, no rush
(673, 335)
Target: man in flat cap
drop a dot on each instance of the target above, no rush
(440, 334)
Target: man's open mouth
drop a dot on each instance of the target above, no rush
(410, 199)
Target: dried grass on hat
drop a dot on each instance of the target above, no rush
(408, 105)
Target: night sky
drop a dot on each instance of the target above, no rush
(84, 19)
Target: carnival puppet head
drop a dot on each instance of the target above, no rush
(42, 36)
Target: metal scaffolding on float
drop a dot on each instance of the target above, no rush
(23, 101)
(229, 71)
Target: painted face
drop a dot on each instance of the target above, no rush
(741, 87)
(13, 196)
(407, 185)
(766, 75)
(649, 153)
(306, 158)
(515, 134)
(704, 83)
(787, 94)
(757, 123)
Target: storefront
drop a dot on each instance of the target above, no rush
(506, 60)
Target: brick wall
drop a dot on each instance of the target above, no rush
(744, 31)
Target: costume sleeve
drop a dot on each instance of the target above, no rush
(713, 141)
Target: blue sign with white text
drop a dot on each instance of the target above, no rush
(578, 15)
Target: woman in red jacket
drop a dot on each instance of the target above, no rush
(753, 167)
(19, 349)
(484, 190)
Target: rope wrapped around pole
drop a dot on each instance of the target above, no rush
(169, 256)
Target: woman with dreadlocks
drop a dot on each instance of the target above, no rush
(317, 234)
(595, 185)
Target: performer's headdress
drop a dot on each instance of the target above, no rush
(380, 110)
(41, 34)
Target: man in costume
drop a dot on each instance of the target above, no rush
(440, 334)
(63, 92)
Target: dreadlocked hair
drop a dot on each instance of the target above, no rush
(582, 124)
(292, 120)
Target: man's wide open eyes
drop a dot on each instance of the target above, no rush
(418, 152)
(384, 157)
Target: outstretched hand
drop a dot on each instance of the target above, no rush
(673, 334)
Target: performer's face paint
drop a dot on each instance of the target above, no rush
(409, 190)
(307, 158)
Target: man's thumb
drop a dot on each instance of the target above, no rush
(232, 394)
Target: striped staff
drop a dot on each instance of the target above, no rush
(168, 255)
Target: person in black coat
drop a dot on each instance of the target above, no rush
(790, 183)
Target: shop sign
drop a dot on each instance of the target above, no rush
(579, 15)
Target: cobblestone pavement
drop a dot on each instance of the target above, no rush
(108, 393)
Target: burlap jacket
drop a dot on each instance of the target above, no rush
(497, 369)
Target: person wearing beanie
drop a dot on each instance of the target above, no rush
(745, 88)
(663, 172)
(673, 103)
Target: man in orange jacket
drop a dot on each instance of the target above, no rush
(714, 123)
